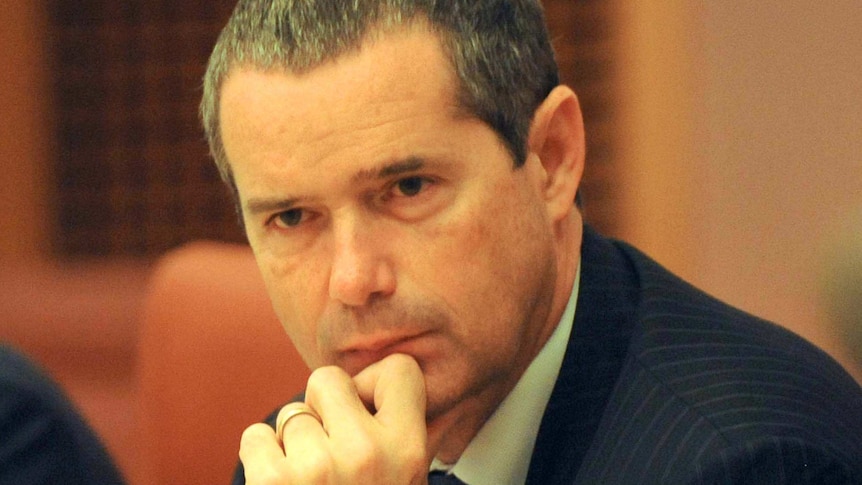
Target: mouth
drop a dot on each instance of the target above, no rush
(362, 353)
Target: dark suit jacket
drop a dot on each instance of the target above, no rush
(43, 440)
(662, 384)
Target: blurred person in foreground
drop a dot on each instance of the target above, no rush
(406, 173)
(43, 439)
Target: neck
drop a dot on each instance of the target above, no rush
(450, 434)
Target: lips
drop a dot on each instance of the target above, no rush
(362, 353)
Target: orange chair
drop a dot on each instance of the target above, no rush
(213, 359)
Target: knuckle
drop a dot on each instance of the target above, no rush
(361, 457)
(323, 379)
(311, 466)
(254, 435)
(364, 459)
(326, 374)
(403, 361)
(315, 466)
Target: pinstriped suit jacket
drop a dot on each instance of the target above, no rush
(664, 384)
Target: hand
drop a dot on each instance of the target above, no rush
(373, 431)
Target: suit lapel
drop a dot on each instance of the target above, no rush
(597, 347)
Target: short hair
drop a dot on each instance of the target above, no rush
(499, 50)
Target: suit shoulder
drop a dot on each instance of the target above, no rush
(702, 379)
(681, 329)
(698, 409)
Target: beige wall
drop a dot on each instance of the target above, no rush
(745, 145)
(25, 138)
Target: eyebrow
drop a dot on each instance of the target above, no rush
(392, 169)
(258, 206)
(398, 167)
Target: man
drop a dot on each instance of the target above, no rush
(43, 439)
(406, 173)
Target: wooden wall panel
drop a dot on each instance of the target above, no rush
(584, 34)
(132, 173)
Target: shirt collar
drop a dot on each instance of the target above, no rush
(500, 452)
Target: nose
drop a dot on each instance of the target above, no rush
(361, 271)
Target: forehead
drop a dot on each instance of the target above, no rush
(403, 61)
(396, 80)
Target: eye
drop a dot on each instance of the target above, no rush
(410, 186)
(414, 197)
(289, 218)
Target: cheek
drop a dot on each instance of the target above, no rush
(491, 241)
(510, 247)
(482, 257)
(294, 296)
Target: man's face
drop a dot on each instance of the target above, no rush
(385, 220)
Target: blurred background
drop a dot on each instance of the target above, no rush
(725, 139)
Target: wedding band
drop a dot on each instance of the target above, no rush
(291, 411)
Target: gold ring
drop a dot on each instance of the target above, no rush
(291, 411)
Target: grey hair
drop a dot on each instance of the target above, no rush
(499, 50)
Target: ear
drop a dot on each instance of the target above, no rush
(557, 144)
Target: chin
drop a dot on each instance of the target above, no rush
(439, 406)
(447, 389)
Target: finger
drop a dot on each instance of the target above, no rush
(290, 411)
(299, 428)
(301, 461)
(332, 394)
(396, 386)
(260, 453)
